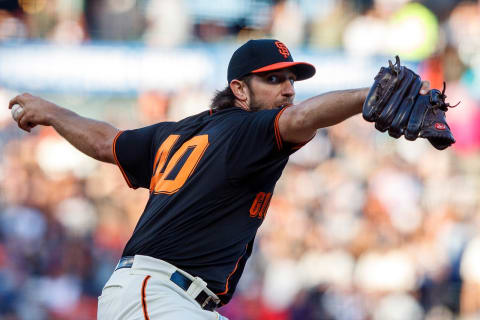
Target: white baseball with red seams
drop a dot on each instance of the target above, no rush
(17, 111)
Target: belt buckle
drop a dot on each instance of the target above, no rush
(125, 262)
(209, 298)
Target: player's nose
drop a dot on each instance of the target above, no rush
(288, 90)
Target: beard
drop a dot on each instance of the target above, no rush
(256, 105)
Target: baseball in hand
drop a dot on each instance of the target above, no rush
(17, 111)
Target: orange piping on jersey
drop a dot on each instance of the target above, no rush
(144, 301)
(231, 273)
(278, 137)
(211, 111)
(118, 163)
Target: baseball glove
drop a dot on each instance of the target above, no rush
(395, 104)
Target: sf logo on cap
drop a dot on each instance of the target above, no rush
(282, 49)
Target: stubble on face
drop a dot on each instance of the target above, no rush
(256, 104)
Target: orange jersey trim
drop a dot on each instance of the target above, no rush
(117, 162)
(144, 301)
(278, 136)
(231, 273)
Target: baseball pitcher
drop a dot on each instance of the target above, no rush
(212, 175)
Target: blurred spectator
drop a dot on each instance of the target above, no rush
(114, 20)
(398, 307)
(327, 28)
(464, 30)
(168, 23)
(287, 22)
(394, 28)
(11, 28)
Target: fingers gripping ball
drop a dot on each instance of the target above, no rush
(17, 111)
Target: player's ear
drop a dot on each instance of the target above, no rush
(239, 89)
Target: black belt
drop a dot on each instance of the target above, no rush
(203, 299)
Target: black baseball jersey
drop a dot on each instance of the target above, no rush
(211, 177)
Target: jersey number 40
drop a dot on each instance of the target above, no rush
(169, 177)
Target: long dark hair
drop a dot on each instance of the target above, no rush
(224, 99)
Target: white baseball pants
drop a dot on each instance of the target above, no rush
(145, 292)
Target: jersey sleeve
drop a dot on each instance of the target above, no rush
(133, 153)
(258, 144)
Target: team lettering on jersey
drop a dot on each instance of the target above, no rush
(260, 205)
(188, 156)
(174, 157)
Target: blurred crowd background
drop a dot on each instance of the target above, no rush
(361, 226)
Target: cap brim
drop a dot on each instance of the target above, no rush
(302, 70)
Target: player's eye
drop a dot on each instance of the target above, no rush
(273, 79)
(276, 79)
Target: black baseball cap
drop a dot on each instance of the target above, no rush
(265, 55)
